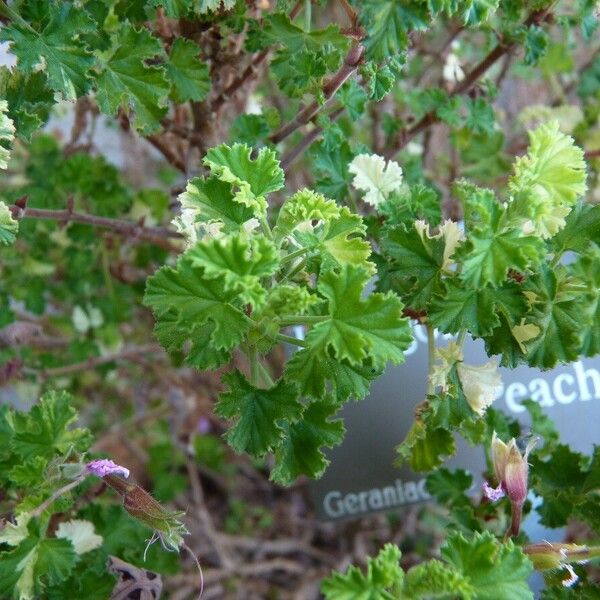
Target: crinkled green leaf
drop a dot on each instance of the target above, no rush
(8, 225)
(197, 300)
(487, 256)
(559, 317)
(46, 429)
(410, 204)
(434, 579)
(125, 80)
(582, 227)
(415, 264)
(7, 134)
(240, 261)
(332, 169)
(304, 206)
(355, 329)
(26, 570)
(259, 414)
(57, 47)
(463, 307)
(300, 452)
(209, 203)
(382, 580)
(29, 99)
(547, 181)
(388, 23)
(253, 178)
(450, 487)
(277, 28)
(189, 76)
(494, 570)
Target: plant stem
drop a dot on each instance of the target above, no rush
(254, 366)
(291, 340)
(267, 379)
(302, 320)
(307, 15)
(295, 254)
(515, 522)
(36, 512)
(293, 272)
(430, 358)
(264, 225)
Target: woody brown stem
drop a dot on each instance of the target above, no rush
(407, 134)
(351, 63)
(136, 230)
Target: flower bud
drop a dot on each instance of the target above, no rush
(511, 468)
(143, 507)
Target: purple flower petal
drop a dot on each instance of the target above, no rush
(493, 494)
(203, 426)
(103, 467)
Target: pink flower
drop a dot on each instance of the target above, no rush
(493, 494)
(103, 467)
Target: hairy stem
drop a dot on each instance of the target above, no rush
(288, 339)
(285, 321)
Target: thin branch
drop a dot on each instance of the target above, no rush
(204, 516)
(129, 354)
(249, 73)
(592, 154)
(407, 134)
(309, 138)
(160, 144)
(135, 230)
(351, 63)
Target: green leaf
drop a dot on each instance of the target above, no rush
(57, 47)
(559, 317)
(494, 570)
(29, 99)
(481, 116)
(354, 330)
(254, 178)
(277, 28)
(587, 267)
(259, 414)
(388, 23)
(197, 300)
(425, 447)
(487, 258)
(547, 181)
(210, 202)
(8, 225)
(300, 451)
(410, 204)
(240, 262)
(416, 262)
(379, 80)
(126, 81)
(332, 169)
(382, 581)
(450, 487)
(189, 76)
(304, 206)
(582, 227)
(464, 308)
(45, 431)
(433, 579)
(26, 570)
(536, 44)
(7, 135)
